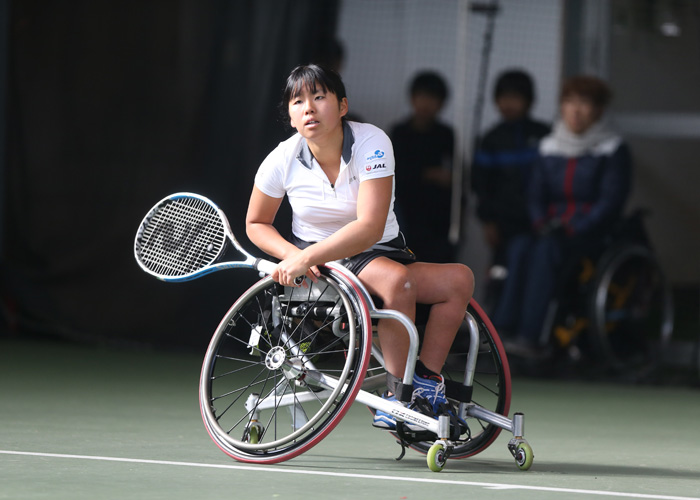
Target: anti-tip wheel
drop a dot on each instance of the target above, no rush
(524, 456)
(437, 456)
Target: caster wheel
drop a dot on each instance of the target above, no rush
(523, 456)
(254, 433)
(437, 457)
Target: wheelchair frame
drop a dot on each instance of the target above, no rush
(282, 352)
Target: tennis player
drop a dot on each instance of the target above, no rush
(338, 176)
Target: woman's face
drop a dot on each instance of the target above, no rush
(578, 113)
(315, 113)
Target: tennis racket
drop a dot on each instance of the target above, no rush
(185, 235)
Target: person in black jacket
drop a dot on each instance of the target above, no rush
(423, 147)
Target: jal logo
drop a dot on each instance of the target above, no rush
(369, 168)
(375, 156)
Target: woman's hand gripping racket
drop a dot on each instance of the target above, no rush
(185, 235)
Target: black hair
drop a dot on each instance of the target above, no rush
(309, 76)
(516, 82)
(431, 83)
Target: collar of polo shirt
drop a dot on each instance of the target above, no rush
(305, 156)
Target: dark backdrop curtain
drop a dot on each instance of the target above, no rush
(113, 105)
(4, 39)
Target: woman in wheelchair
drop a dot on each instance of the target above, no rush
(579, 185)
(338, 176)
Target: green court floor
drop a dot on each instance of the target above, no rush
(81, 422)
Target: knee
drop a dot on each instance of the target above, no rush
(461, 281)
(400, 288)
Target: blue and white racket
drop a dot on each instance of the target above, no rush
(185, 235)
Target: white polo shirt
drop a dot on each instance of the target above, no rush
(319, 208)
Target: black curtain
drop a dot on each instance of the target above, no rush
(4, 52)
(112, 105)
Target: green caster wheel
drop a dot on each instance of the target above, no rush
(437, 456)
(524, 456)
(254, 433)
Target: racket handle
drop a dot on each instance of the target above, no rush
(268, 267)
(265, 266)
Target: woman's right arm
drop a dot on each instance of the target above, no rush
(262, 210)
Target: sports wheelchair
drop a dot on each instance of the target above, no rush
(285, 365)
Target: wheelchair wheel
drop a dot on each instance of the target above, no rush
(631, 310)
(492, 387)
(282, 369)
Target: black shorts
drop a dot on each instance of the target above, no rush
(395, 249)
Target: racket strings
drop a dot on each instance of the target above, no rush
(181, 237)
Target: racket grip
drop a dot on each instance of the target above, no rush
(298, 280)
(265, 266)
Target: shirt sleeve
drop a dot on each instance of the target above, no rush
(269, 179)
(375, 155)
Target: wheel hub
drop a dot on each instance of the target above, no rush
(275, 358)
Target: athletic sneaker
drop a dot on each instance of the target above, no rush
(387, 422)
(430, 389)
(383, 420)
(429, 399)
(425, 390)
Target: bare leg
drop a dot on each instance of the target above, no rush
(393, 284)
(448, 287)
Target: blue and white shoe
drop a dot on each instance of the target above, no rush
(429, 397)
(387, 422)
(430, 390)
(425, 390)
(383, 420)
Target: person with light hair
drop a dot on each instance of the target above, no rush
(580, 183)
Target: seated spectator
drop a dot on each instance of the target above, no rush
(423, 148)
(580, 183)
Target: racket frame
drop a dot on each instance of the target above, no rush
(249, 261)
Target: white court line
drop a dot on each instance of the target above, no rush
(257, 468)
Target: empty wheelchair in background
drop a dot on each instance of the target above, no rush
(615, 309)
(285, 364)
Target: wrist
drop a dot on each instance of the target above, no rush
(288, 251)
(304, 257)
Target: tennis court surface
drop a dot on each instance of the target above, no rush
(79, 422)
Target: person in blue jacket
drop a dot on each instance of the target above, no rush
(503, 165)
(579, 186)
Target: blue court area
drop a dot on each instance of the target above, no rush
(81, 422)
